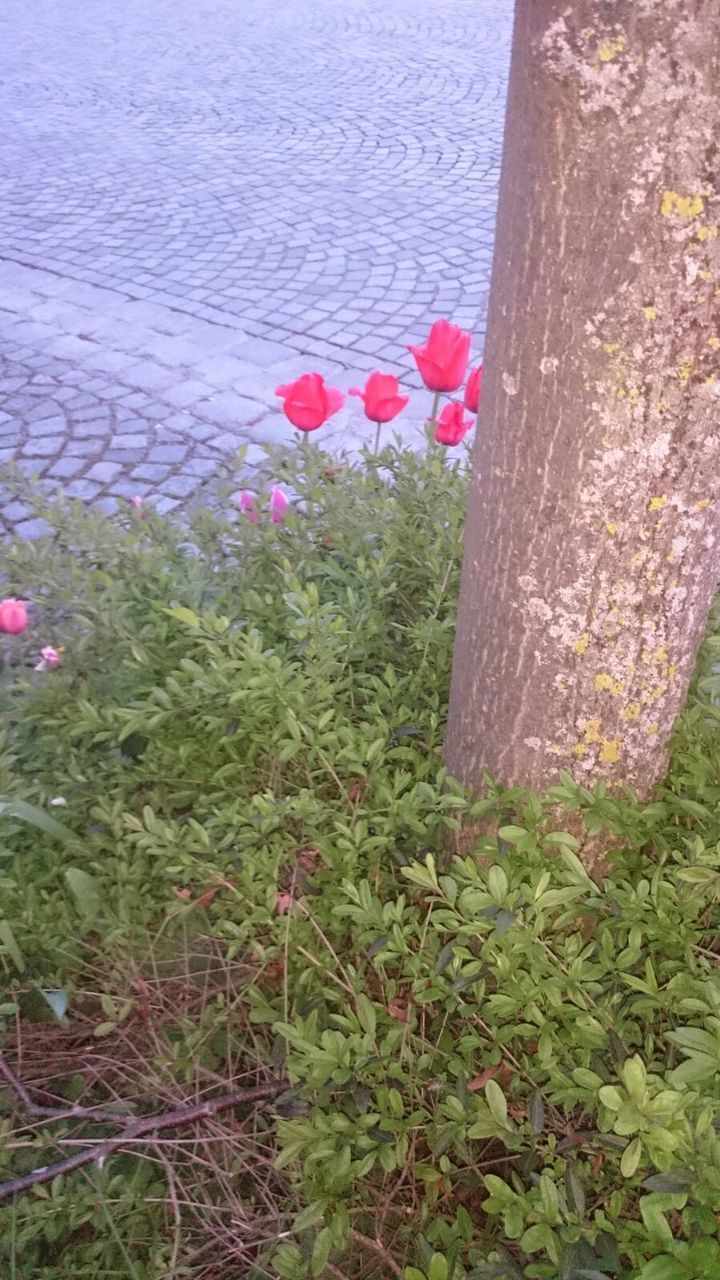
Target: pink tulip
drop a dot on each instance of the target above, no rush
(473, 390)
(246, 503)
(452, 427)
(13, 616)
(381, 397)
(307, 402)
(442, 362)
(278, 504)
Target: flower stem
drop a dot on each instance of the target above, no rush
(431, 423)
(376, 447)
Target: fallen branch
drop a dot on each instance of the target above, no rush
(133, 1131)
(104, 1115)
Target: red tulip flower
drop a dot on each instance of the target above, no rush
(13, 616)
(443, 360)
(473, 390)
(381, 398)
(307, 402)
(453, 426)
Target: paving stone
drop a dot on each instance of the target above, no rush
(231, 409)
(45, 447)
(104, 471)
(150, 471)
(120, 440)
(164, 506)
(83, 489)
(34, 528)
(182, 233)
(167, 453)
(66, 467)
(187, 393)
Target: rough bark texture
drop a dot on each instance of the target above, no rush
(592, 548)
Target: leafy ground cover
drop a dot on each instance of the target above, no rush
(226, 863)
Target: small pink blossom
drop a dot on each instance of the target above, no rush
(50, 656)
(278, 504)
(246, 502)
(13, 616)
(283, 903)
(136, 502)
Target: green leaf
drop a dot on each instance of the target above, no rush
(663, 1268)
(611, 1097)
(496, 1101)
(635, 1077)
(536, 1112)
(631, 1158)
(675, 1180)
(366, 1014)
(311, 1214)
(499, 1189)
(574, 1188)
(7, 938)
(576, 868)
(30, 813)
(536, 1238)
(322, 1249)
(85, 891)
(438, 1269)
(655, 1222)
(185, 616)
(513, 835)
(412, 1273)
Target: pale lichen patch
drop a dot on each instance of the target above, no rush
(674, 205)
(610, 751)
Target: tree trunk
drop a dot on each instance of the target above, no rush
(592, 544)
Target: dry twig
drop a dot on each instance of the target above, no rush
(133, 1131)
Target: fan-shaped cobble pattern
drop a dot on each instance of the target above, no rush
(312, 180)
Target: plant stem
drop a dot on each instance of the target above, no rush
(376, 447)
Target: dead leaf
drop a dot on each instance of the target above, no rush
(479, 1082)
(399, 1009)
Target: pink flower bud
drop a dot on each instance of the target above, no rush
(473, 389)
(50, 656)
(246, 503)
(278, 504)
(13, 616)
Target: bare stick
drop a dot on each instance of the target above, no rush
(104, 1114)
(99, 1152)
(378, 1248)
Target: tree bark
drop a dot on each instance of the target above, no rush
(592, 548)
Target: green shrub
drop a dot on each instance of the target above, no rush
(498, 1068)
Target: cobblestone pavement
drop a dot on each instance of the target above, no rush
(202, 198)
